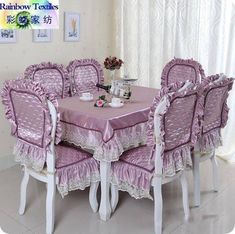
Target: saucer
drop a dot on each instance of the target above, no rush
(86, 99)
(115, 105)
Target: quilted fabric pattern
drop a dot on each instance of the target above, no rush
(139, 157)
(75, 168)
(216, 91)
(28, 107)
(214, 102)
(177, 131)
(85, 78)
(178, 70)
(85, 74)
(54, 78)
(27, 110)
(69, 155)
(178, 122)
(51, 80)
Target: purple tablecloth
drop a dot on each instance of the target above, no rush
(108, 131)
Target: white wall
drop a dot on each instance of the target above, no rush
(95, 42)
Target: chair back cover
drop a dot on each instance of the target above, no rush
(216, 91)
(178, 125)
(85, 74)
(180, 70)
(54, 78)
(27, 110)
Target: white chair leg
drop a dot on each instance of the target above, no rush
(23, 191)
(184, 186)
(157, 189)
(50, 204)
(105, 208)
(215, 173)
(196, 178)
(93, 196)
(114, 196)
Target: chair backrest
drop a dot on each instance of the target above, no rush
(54, 78)
(215, 91)
(178, 70)
(27, 110)
(176, 127)
(84, 75)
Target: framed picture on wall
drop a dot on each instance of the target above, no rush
(8, 36)
(72, 26)
(42, 35)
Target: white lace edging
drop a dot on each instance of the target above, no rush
(77, 184)
(35, 158)
(210, 140)
(105, 151)
(134, 192)
(176, 161)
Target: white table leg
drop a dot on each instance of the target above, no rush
(105, 208)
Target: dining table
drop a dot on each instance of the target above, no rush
(106, 131)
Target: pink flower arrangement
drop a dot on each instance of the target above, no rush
(100, 102)
(112, 63)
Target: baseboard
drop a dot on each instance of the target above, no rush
(7, 162)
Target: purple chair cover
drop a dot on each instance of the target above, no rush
(179, 127)
(27, 110)
(178, 70)
(150, 126)
(216, 110)
(85, 74)
(54, 78)
(75, 169)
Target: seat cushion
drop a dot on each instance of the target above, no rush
(75, 168)
(135, 168)
(133, 172)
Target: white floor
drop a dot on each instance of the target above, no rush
(216, 215)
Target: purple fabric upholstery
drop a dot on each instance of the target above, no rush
(179, 130)
(178, 70)
(75, 169)
(150, 126)
(107, 131)
(134, 170)
(27, 110)
(54, 78)
(85, 74)
(215, 116)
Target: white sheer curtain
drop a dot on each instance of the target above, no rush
(151, 32)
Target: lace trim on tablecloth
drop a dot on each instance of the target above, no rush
(110, 151)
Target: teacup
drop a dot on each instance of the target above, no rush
(116, 101)
(87, 95)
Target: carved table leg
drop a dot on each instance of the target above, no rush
(105, 208)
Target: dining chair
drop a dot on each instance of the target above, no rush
(175, 132)
(84, 75)
(35, 124)
(54, 78)
(178, 70)
(215, 93)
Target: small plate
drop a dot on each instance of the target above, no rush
(116, 106)
(86, 99)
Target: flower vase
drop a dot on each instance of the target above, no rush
(112, 75)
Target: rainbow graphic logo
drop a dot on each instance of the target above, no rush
(29, 14)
